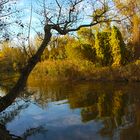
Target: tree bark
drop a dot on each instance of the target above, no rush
(8, 99)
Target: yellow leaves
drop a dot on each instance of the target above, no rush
(86, 35)
(1, 55)
(136, 30)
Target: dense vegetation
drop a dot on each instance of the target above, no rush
(91, 55)
(99, 51)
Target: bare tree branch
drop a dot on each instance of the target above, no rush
(60, 10)
(29, 30)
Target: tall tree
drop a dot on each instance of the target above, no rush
(117, 47)
(103, 48)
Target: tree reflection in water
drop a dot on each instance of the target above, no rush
(9, 115)
(116, 104)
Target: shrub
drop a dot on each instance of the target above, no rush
(77, 51)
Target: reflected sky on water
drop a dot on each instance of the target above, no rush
(75, 111)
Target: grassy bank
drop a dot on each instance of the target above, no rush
(63, 70)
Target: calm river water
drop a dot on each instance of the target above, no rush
(75, 111)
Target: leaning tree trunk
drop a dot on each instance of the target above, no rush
(8, 99)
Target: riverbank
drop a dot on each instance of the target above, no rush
(65, 70)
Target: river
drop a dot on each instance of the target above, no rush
(75, 111)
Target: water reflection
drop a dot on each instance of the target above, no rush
(84, 110)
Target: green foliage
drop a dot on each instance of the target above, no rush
(88, 52)
(57, 70)
(98, 14)
(102, 47)
(86, 35)
(69, 58)
(45, 55)
(86, 70)
(118, 47)
(73, 50)
(57, 48)
(77, 51)
(57, 53)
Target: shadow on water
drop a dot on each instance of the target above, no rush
(75, 110)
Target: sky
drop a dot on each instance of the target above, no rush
(24, 7)
(25, 13)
